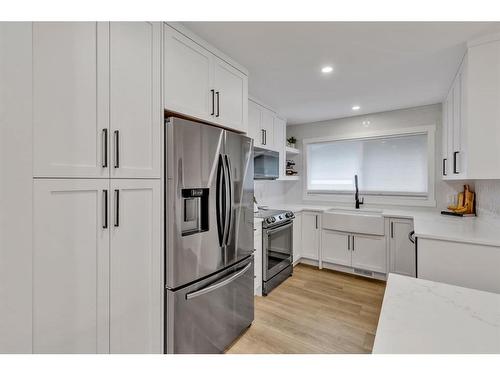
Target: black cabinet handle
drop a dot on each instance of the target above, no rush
(213, 102)
(262, 136)
(316, 221)
(218, 107)
(117, 208)
(444, 166)
(265, 137)
(352, 243)
(455, 162)
(410, 236)
(105, 146)
(392, 229)
(105, 204)
(348, 242)
(117, 148)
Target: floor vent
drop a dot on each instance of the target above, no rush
(363, 272)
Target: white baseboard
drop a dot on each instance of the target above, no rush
(340, 268)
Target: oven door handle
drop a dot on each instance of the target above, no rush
(220, 284)
(283, 227)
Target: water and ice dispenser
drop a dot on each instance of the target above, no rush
(194, 211)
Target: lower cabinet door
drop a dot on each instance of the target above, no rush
(70, 266)
(402, 254)
(297, 237)
(369, 253)
(335, 247)
(310, 235)
(136, 287)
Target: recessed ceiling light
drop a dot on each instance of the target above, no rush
(326, 69)
(355, 107)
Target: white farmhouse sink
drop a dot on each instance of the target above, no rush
(354, 221)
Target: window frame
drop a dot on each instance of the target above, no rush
(402, 198)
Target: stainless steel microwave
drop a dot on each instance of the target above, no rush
(265, 164)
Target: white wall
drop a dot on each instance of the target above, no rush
(391, 120)
(15, 181)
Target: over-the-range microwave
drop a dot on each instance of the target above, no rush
(265, 164)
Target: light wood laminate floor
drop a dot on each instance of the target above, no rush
(315, 311)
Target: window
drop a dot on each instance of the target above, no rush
(386, 165)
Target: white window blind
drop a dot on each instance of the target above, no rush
(394, 165)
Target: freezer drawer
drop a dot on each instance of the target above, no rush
(207, 316)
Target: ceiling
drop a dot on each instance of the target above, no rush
(377, 65)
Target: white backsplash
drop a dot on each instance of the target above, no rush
(488, 197)
(268, 192)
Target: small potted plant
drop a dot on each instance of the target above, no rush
(292, 141)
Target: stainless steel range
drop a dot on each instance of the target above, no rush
(277, 247)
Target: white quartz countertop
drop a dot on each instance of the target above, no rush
(428, 223)
(421, 316)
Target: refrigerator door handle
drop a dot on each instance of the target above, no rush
(219, 284)
(219, 201)
(229, 200)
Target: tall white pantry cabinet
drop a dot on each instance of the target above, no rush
(97, 119)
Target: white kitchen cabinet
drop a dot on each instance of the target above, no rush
(136, 287)
(70, 98)
(463, 264)
(71, 266)
(369, 253)
(481, 136)
(471, 131)
(188, 76)
(136, 113)
(336, 247)
(310, 235)
(261, 124)
(254, 123)
(401, 250)
(297, 237)
(257, 243)
(200, 84)
(357, 251)
(231, 96)
(453, 147)
(97, 107)
(267, 127)
(97, 266)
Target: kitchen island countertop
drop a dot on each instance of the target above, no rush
(421, 316)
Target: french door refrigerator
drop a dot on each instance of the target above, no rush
(209, 268)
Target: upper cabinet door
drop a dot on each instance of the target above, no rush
(70, 266)
(231, 96)
(268, 128)
(444, 149)
(70, 99)
(135, 102)
(136, 287)
(188, 77)
(254, 123)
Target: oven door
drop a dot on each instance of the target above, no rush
(278, 245)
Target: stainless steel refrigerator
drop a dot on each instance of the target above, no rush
(209, 268)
